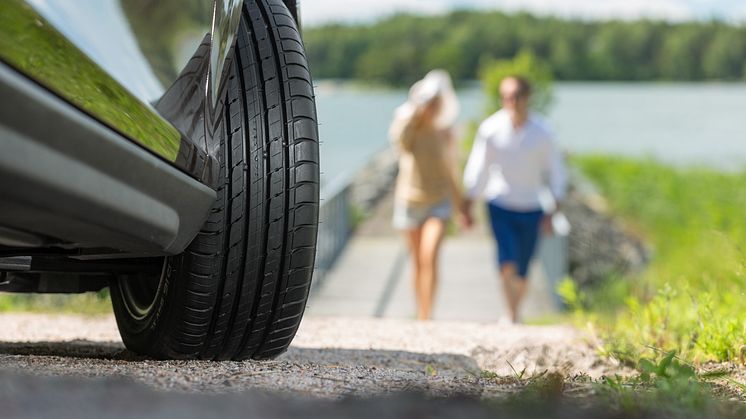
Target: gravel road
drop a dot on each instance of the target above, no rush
(72, 362)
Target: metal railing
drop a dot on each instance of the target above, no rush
(335, 225)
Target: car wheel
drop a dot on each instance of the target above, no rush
(240, 288)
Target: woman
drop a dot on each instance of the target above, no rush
(427, 186)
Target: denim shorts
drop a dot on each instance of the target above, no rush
(516, 233)
(410, 216)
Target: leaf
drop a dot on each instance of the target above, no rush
(715, 374)
(430, 370)
(664, 364)
(647, 366)
(517, 375)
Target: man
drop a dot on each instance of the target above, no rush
(513, 164)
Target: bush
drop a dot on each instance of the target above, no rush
(524, 64)
(691, 298)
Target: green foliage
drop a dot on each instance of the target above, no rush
(568, 290)
(664, 386)
(691, 298)
(88, 303)
(401, 49)
(430, 370)
(489, 375)
(161, 28)
(525, 64)
(668, 386)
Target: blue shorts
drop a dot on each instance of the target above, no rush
(516, 234)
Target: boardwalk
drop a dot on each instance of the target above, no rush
(372, 278)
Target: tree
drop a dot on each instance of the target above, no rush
(526, 65)
(681, 53)
(724, 57)
(400, 49)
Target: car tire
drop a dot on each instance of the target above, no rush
(240, 288)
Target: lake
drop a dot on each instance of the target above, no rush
(679, 123)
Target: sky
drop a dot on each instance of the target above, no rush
(316, 12)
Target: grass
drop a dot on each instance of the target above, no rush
(665, 386)
(690, 300)
(85, 304)
(669, 386)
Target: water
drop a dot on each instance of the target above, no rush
(678, 123)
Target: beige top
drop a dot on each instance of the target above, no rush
(426, 164)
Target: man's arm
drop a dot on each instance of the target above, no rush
(557, 179)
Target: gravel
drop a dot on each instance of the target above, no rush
(74, 366)
(330, 357)
(66, 366)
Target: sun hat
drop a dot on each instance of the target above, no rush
(436, 83)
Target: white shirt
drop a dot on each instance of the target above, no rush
(519, 169)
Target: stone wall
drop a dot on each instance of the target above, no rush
(599, 246)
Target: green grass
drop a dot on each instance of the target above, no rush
(668, 386)
(691, 298)
(86, 304)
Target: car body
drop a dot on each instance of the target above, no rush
(133, 89)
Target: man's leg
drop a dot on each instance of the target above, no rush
(528, 236)
(508, 276)
(520, 286)
(507, 248)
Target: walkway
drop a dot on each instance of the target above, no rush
(372, 278)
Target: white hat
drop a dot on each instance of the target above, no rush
(437, 83)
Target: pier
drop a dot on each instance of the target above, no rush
(365, 270)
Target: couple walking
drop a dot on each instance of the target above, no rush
(513, 163)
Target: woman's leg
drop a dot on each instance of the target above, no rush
(414, 237)
(432, 236)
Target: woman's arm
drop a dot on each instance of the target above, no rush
(401, 132)
(450, 161)
(476, 171)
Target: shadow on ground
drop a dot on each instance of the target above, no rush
(84, 379)
(301, 372)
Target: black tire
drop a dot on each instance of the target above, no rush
(240, 288)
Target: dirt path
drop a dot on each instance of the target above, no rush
(66, 366)
(330, 358)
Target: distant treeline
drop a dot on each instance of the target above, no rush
(402, 48)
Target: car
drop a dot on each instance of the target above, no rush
(167, 150)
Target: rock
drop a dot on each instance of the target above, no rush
(599, 247)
